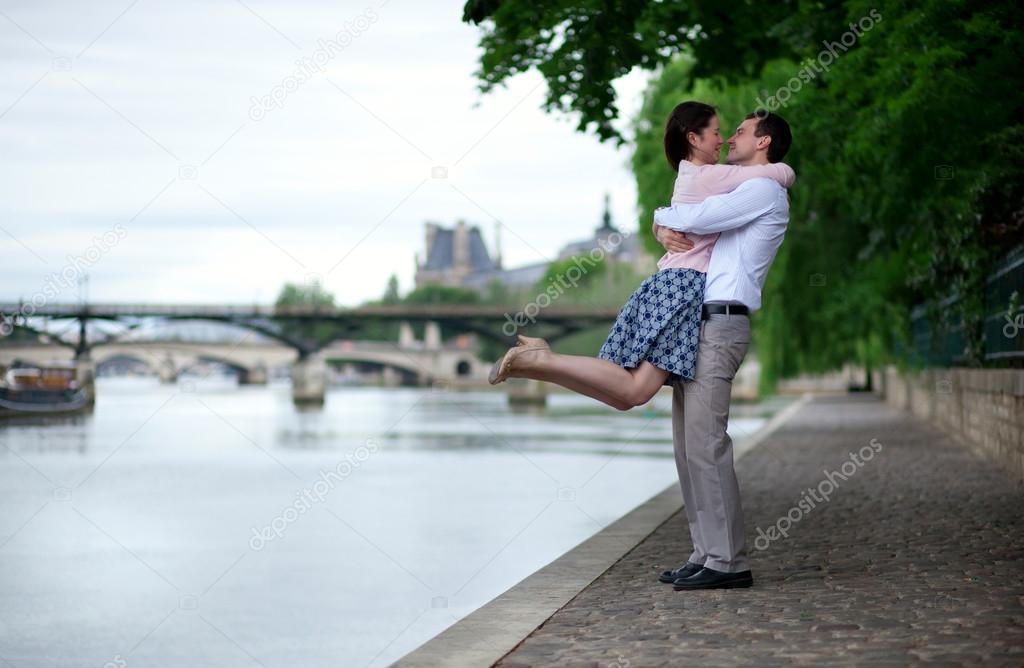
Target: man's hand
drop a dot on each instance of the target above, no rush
(674, 242)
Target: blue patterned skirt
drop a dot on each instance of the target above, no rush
(660, 323)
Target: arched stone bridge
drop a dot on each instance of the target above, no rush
(429, 363)
(252, 361)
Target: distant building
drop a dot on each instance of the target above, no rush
(453, 255)
(458, 257)
(627, 249)
(518, 277)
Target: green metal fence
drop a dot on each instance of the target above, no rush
(1003, 329)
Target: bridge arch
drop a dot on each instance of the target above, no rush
(239, 369)
(407, 368)
(104, 360)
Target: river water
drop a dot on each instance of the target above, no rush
(204, 524)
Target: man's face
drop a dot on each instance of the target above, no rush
(743, 145)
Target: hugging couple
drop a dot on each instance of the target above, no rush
(688, 325)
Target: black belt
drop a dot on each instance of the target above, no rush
(727, 309)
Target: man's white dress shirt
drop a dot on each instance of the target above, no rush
(752, 220)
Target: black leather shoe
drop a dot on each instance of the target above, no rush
(708, 578)
(686, 571)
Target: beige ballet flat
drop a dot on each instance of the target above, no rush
(503, 367)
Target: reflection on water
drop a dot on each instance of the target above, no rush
(221, 526)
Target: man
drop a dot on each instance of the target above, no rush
(752, 221)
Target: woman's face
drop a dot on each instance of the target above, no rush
(705, 147)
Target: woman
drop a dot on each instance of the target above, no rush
(655, 337)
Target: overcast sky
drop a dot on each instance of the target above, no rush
(141, 115)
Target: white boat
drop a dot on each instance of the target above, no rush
(52, 388)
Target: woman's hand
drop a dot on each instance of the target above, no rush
(673, 241)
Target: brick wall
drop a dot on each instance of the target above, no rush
(983, 407)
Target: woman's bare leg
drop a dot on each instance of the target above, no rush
(595, 377)
(581, 388)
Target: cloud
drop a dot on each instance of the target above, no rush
(157, 107)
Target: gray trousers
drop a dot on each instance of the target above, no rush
(703, 450)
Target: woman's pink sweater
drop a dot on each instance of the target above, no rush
(695, 183)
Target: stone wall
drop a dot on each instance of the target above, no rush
(983, 407)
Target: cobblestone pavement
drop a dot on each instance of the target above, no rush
(918, 557)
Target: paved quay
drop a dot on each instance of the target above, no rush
(916, 557)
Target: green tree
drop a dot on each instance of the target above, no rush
(497, 293)
(391, 295)
(573, 273)
(907, 142)
(312, 294)
(441, 294)
(582, 47)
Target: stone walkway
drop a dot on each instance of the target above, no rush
(917, 557)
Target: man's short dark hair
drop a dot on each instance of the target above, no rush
(777, 128)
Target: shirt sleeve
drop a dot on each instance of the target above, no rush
(748, 202)
(718, 179)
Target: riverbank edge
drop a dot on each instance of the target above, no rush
(487, 634)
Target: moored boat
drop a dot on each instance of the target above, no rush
(49, 389)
